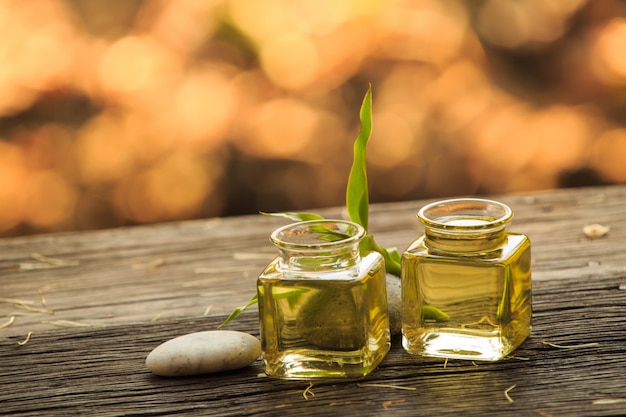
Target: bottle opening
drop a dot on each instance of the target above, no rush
(319, 235)
(465, 215)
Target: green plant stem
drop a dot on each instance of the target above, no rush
(392, 265)
(357, 201)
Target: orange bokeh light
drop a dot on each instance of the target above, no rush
(608, 57)
(159, 110)
(281, 129)
(134, 65)
(608, 155)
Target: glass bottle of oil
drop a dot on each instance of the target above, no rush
(322, 304)
(466, 283)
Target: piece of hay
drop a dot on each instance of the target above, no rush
(8, 323)
(584, 345)
(23, 342)
(608, 401)
(387, 404)
(308, 392)
(34, 309)
(16, 301)
(506, 393)
(520, 358)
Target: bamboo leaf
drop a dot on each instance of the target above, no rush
(391, 257)
(357, 204)
(236, 312)
(432, 313)
(394, 255)
(391, 264)
(357, 199)
(325, 234)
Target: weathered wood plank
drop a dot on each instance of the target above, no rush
(137, 287)
(165, 271)
(209, 267)
(101, 372)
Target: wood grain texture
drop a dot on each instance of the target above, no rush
(134, 288)
(101, 372)
(140, 274)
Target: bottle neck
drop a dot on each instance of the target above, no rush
(466, 242)
(465, 225)
(306, 260)
(318, 245)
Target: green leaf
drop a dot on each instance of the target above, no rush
(357, 203)
(432, 313)
(391, 264)
(299, 217)
(279, 294)
(394, 255)
(391, 256)
(326, 235)
(329, 235)
(236, 312)
(293, 296)
(357, 199)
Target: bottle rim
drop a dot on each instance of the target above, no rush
(488, 215)
(303, 236)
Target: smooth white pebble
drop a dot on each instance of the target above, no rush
(204, 352)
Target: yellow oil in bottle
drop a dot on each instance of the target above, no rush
(466, 290)
(331, 324)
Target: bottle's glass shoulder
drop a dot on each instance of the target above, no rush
(271, 271)
(366, 266)
(514, 245)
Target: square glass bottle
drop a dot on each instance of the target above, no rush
(322, 304)
(466, 283)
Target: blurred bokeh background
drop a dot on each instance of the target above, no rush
(138, 111)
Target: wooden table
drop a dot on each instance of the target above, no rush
(80, 312)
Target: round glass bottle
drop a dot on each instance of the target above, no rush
(466, 283)
(322, 304)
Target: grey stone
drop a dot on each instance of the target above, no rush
(394, 301)
(204, 352)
